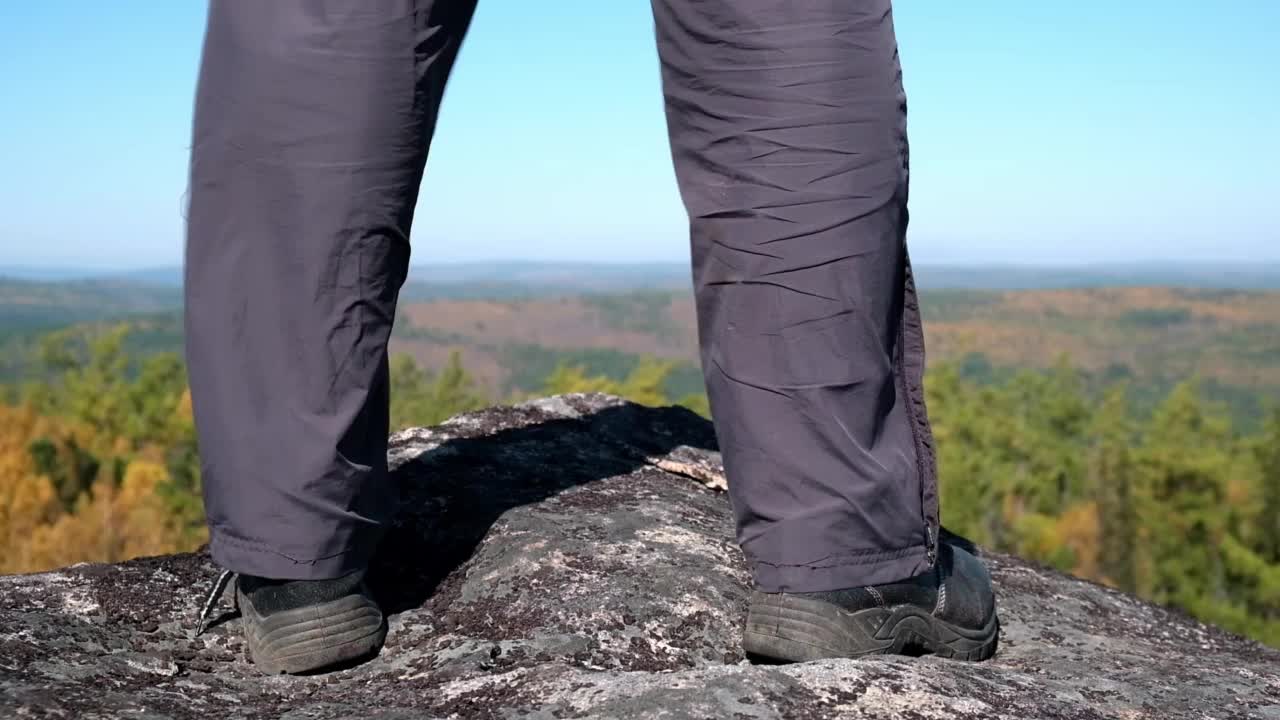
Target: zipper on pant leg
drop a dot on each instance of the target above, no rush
(931, 545)
(912, 388)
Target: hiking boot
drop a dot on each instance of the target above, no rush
(298, 626)
(949, 610)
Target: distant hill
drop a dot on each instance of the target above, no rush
(538, 278)
(514, 322)
(26, 304)
(513, 278)
(30, 309)
(168, 276)
(1150, 337)
(1223, 276)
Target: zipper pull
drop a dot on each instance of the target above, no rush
(931, 545)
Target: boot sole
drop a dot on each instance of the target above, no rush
(788, 628)
(313, 637)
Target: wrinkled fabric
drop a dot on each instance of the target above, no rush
(788, 130)
(788, 133)
(312, 124)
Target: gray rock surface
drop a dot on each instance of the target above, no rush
(573, 557)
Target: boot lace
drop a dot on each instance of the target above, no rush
(211, 600)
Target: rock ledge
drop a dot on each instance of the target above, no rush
(573, 557)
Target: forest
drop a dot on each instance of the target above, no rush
(1177, 503)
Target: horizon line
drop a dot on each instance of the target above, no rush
(71, 268)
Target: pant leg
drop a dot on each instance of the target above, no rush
(312, 123)
(788, 131)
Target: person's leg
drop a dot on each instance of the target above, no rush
(312, 122)
(788, 131)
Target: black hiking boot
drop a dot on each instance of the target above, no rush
(949, 611)
(300, 626)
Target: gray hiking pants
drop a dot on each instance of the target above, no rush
(787, 122)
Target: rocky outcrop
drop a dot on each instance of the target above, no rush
(573, 557)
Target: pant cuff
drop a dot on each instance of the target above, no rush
(840, 573)
(248, 558)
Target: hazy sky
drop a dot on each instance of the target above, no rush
(1041, 131)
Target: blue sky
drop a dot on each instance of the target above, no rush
(1042, 132)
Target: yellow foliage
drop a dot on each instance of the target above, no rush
(27, 500)
(108, 523)
(183, 414)
(1078, 528)
(111, 523)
